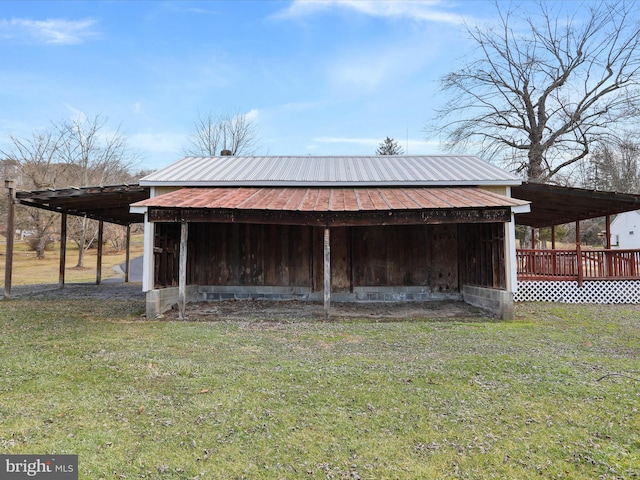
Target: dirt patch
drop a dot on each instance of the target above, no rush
(295, 310)
(264, 310)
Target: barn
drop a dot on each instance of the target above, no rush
(330, 228)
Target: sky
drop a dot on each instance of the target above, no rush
(332, 77)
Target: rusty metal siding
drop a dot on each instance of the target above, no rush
(330, 199)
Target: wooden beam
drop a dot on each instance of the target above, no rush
(10, 235)
(333, 219)
(327, 271)
(182, 273)
(127, 260)
(99, 260)
(579, 253)
(126, 219)
(63, 249)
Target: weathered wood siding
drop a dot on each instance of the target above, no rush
(439, 256)
(249, 254)
(482, 255)
(166, 250)
(411, 255)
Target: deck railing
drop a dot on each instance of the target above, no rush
(578, 264)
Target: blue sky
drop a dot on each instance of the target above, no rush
(318, 78)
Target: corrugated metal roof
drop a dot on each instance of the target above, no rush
(330, 199)
(330, 171)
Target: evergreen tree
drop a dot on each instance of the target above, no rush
(389, 147)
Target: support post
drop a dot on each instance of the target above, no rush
(533, 238)
(327, 272)
(11, 233)
(182, 274)
(579, 254)
(553, 247)
(127, 258)
(63, 249)
(607, 245)
(99, 260)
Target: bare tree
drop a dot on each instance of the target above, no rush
(236, 133)
(93, 156)
(389, 147)
(35, 166)
(616, 166)
(540, 93)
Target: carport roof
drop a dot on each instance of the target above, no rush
(556, 205)
(108, 203)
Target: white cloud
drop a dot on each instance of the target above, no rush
(252, 115)
(51, 31)
(422, 10)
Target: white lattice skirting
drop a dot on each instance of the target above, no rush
(605, 291)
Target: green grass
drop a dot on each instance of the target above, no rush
(353, 399)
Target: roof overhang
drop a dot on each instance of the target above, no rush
(106, 203)
(331, 206)
(556, 205)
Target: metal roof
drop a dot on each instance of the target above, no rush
(556, 205)
(330, 199)
(379, 170)
(108, 203)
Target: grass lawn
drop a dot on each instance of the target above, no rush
(552, 394)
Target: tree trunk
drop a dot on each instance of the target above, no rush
(41, 247)
(535, 171)
(81, 245)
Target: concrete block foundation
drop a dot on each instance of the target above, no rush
(499, 302)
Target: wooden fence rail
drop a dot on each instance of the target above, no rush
(577, 264)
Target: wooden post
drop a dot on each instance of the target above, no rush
(63, 249)
(533, 238)
(11, 233)
(99, 261)
(554, 258)
(182, 273)
(127, 259)
(579, 254)
(327, 271)
(608, 254)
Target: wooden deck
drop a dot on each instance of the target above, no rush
(580, 265)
